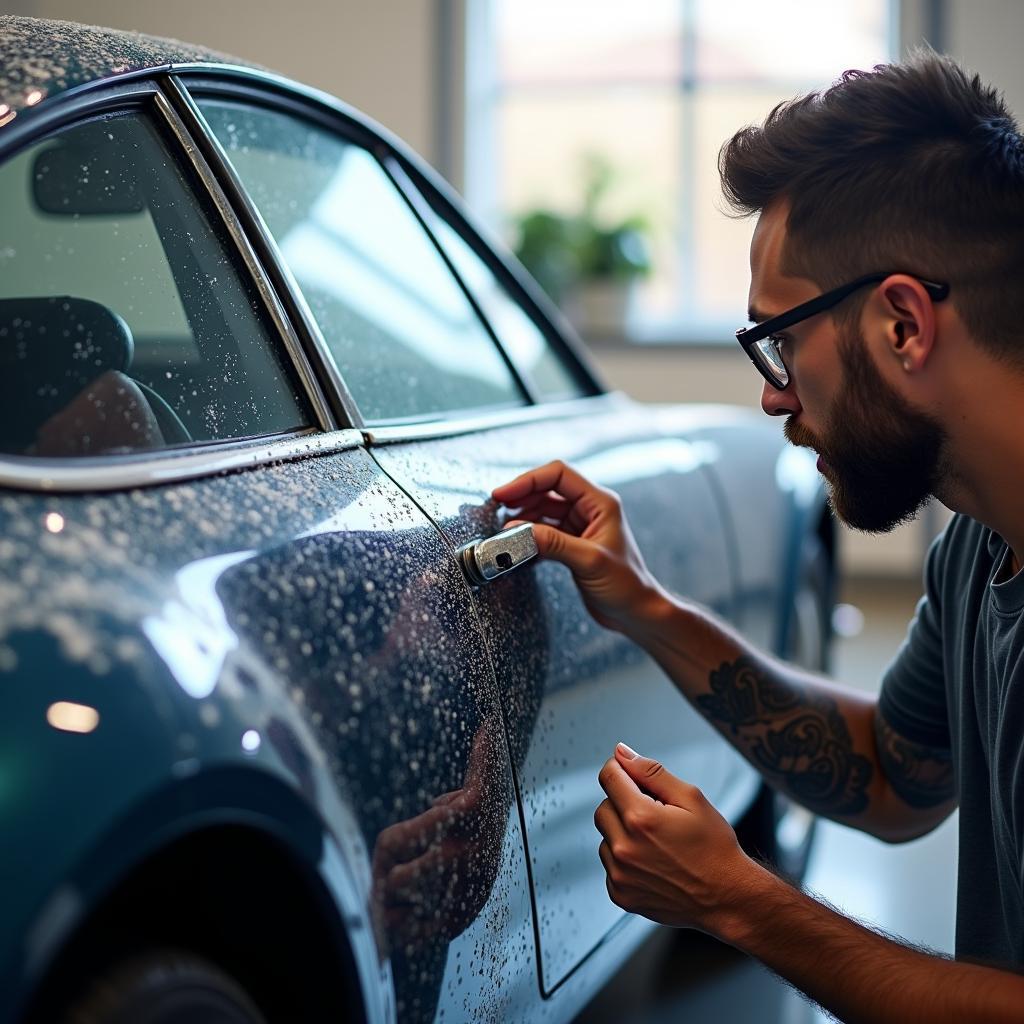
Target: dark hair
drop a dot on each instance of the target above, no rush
(915, 166)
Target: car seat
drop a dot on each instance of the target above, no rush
(51, 349)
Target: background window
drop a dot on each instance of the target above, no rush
(401, 330)
(635, 101)
(124, 325)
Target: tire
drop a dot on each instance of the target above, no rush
(775, 829)
(165, 986)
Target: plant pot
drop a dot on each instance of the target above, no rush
(598, 308)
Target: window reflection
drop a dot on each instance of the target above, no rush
(402, 332)
(521, 336)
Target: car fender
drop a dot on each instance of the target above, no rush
(248, 797)
(85, 823)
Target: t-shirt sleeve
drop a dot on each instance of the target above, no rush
(913, 695)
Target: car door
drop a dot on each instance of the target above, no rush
(449, 414)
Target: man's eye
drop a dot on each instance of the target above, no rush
(776, 341)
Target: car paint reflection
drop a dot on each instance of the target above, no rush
(191, 632)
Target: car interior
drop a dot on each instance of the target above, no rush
(153, 341)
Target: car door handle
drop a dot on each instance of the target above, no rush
(484, 559)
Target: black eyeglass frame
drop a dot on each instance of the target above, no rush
(748, 337)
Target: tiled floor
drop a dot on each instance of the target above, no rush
(907, 890)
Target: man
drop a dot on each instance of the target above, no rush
(898, 196)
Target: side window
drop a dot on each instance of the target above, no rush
(546, 368)
(124, 325)
(401, 330)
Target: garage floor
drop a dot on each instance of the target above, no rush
(907, 890)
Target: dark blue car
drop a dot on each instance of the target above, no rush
(277, 743)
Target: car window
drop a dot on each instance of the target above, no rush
(399, 326)
(124, 325)
(547, 370)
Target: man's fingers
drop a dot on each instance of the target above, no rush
(545, 507)
(555, 476)
(417, 880)
(481, 757)
(623, 792)
(408, 839)
(608, 823)
(654, 778)
(547, 498)
(563, 547)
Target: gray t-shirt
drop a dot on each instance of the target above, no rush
(958, 683)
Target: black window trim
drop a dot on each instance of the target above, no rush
(422, 212)
(190, 144)
(312, 349)
(446, 205)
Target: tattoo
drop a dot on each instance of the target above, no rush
(920, 775)
(797, 739)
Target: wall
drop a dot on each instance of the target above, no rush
(378, 55)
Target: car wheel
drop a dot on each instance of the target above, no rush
(776, 829)
(165, 987)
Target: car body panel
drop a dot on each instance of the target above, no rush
(775, 497)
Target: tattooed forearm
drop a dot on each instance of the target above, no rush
(797, 738)
(922, 776)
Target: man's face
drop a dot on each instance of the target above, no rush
(882, 458)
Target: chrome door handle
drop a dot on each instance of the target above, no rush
(484, 559)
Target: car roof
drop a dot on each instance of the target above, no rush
(41, 57)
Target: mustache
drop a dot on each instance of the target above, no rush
(797, 434)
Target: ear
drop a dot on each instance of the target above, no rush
(908, 318)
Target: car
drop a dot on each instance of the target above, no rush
(291, 728)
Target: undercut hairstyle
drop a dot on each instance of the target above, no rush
(914, 167)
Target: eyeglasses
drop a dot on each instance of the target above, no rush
(764, 348)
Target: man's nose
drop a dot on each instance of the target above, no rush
(779, 403)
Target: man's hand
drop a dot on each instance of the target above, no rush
(669, 855)
(433, 873)
(582, 526)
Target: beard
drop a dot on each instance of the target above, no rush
(883, 457)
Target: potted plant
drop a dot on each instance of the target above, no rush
(588, 262)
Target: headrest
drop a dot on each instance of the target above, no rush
(50, 349)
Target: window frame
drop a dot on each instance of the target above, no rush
(444, 203)
(379, 153)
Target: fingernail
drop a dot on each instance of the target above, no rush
(627, 752)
